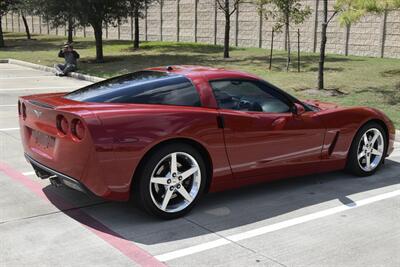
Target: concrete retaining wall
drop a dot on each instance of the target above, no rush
(201, 21)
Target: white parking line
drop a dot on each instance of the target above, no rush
(4, 106)
(13, 69)
(9, 129)
(27, 77)
(273, 227)
(28, 173)
(41, 88)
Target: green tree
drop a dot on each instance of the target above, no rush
(58, 13)
(136, 10)
(349, 12)
(96, 13)
(285, 13)
(24, 8)
(352, 10)
(5, 6)
(225, 7)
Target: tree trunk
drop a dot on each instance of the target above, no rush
(227, 29)
(28, 34)
(98, 35)
(70, 31)
(1, 35)
(136, 40)
(322, 48)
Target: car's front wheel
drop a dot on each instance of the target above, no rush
(171, 181)
(368, 150)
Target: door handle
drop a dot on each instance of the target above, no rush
(220, 122)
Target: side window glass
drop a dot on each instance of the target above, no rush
(246, 96)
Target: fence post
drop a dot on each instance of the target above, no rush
(260, 26)
(383, 33)
(106, 30)
(12, 21)
(40, 24)
(48, 26)
(145, 21)
(237, 24)
(118, 31)
(316, 7)
(131, 22)
(19, 23)
(215, 21)
(177, 19)
(286, 39)
(161, 19)
(74, 28)
(298, 50)
(56, 30)
(272, 48)
(33, 27)
(195, 20)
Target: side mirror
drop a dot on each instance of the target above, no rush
(298, 109)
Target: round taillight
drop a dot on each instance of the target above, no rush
(78, 129)
(19, 108)
(23, 111)
(62, 124)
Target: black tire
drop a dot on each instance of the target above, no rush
(141, 191)
(353, 165)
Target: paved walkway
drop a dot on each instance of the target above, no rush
(332, 219)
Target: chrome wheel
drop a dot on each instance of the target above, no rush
(370, 149)
(175, 182)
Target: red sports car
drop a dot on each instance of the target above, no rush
(165, 136)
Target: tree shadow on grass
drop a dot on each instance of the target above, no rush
(18, 42)
(136, 61)
(390, 96)
(390, 73)
(116, 65)
(173, 47)
(42, 44)
(308, 63)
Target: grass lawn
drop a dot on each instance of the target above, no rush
(363, 81)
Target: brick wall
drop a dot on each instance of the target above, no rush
(188, 21)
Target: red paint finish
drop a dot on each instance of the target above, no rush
(252, 147)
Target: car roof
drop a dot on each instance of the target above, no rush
(210, 73)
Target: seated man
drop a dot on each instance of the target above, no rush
(70, 56)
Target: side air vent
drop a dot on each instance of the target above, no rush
(333, 144)
(41, 104)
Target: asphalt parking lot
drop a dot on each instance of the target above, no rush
(332, 219)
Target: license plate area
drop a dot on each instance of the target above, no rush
(42, 141)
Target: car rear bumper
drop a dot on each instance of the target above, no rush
(56, 178)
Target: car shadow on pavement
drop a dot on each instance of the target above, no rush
(225, 211)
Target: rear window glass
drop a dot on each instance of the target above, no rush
(142, 87)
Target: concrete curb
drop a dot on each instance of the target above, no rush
(397, 137)
(75, 75)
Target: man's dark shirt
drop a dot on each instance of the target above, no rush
(69, 56)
